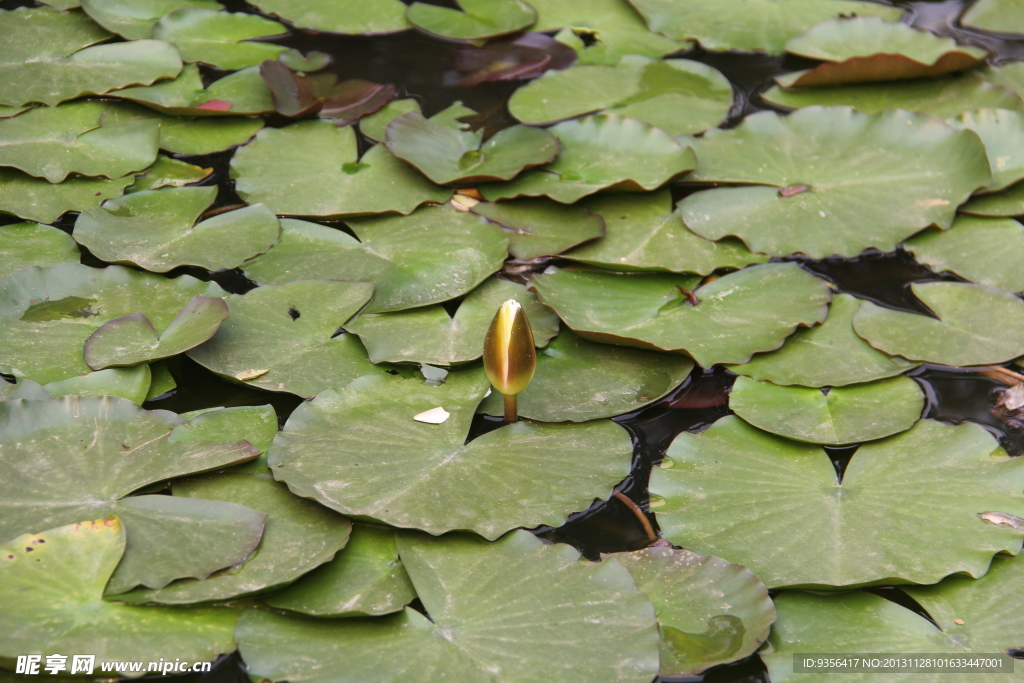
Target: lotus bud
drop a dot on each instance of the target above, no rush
(509, 354)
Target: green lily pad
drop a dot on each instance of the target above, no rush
(365, 579)
(368, 17)
(30, 244)
(48, 313)
(168, 172)
(997, 16)
(986, 251)
(182, 135)
(426, 476)
(130, 383)
(601, 152)
(430, 335)
(134, 19)
(221, 39)
(132, 339)
(478, 18)
(855, 413)
(448, 155)
(748, 311)
(679, 96)
(494, 609)
(823, 180)
(170, 236)
(975, 325)
(541, 227)
(434, 255)
(867, 49)
(643, 233)
(37, 199)
(577, 380)
(255, 424)
(52, 586)
(1002, 131)
(312, 168)
(763, 25)
(299, 536)
(850, 533)
(281, 337)
(308, 63)
(47, 58)
(241, 93)
(709, 611)
(827, 355)
(1009, 202)
(375, 125)
(162, 379)
(52, 142)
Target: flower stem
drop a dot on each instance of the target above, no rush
(646, 523)
(511, 409)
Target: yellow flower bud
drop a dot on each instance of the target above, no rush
(509, 354)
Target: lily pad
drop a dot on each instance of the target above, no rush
(241, 93)
(851, 414)
(364, 579)
(850, 533)
(52, 586)
(709, 611)
(312, 168)
(308, 63)
(430, 335)
(36, 199)
(52, 142)
(343, 102)
(426, 476)
(823, 180)
(157, 230)
(679, 96)
(478, 18)
(541, 227)
(974, 325)
(162, 380)
(987, 251)
(134, 19)
(434, 255)
(130, 383)
(494, 609)
(447, 155)
(255, 424)
(374, 126)
(748, 311)
(221, 39)
(47, 58)
(282, 337)
(168, 172)
(763, 25)
(48, 313)
(526, 56)
(577, 380)
(601, 152)
(830, 354)
(996, 16)
(367, 17)
(30, 244)
(643, 233)
(188, 135)
(1009, 202)
(867, 49)
(1002, 132)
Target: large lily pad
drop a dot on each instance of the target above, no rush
(494, 611)
(31, 244)
(368, 17)
(221, 39)
(282, 337)
(434, 255)
(975, 325)
(823, 180)
(188, 135)
(48, 313)
(541, 227)
(130, 383)
(46, 58)
(997, 16)
(751, 310)
(1002, 131)
(679, 96)
(158, 230)
(478, 18)
(1009, 202)
(52, 142)
(827, 355)
(987, 251)
(600, 152)
(52, 589)
(855, 413)
(426, 476)
(241, 93)
(776, 506)
(709, 611)
(312, 168)
(134, 19)
(430, 335)
(37, 199)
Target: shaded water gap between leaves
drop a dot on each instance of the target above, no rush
(942, 18)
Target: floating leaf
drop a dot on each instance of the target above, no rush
(1002, 131)
(577, 380)
(311, 168)
(36, 199)
(541, 227)
(162, 383)
(851, 533)
(296, 61)
(221, 39)
(340, 16)
(343, 102)
(189, 135)
(168, 172)
(987, 251)
(679, 96)
(1009, 202)
(525, 56)
(171, 237)
(601, 152)
(434, 255)
(494, 609)
(709, 611)
(478, 18)
(364, 579)
(974, 325)
(256, 424)
(31, 244)
(847, 162)
(735, 316)
(240, 93)
(130, 383)
(374, 126)
(288, 333)
(426, 476)
(997, 16)
(430, 335)
(134, 19)
(830, 354)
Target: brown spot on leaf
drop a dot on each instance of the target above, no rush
(793, 190)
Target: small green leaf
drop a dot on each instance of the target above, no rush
(478, 18)
(134, 19)
(541, 227)
(220, 39)
(986, 251)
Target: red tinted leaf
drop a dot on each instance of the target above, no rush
(356, 98)
(527, 56)
(216, 105)
(292, 94)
